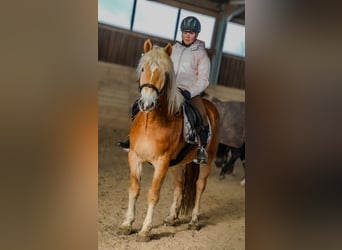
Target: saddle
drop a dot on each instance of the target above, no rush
(192, 124)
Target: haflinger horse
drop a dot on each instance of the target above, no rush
(156, 137)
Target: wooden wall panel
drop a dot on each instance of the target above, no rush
(232, 72)
(117, 90)
(124, 47)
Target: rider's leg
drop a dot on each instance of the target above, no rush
(201, 153)
(125, 144)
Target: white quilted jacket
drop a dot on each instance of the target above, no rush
(192, 67)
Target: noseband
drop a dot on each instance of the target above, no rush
(150, 85)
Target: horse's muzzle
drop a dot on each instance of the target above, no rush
(146, 105)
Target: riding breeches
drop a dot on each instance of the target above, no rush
(198, 103)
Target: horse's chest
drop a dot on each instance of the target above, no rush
(154, 143)
(145, 149)
(152, 139)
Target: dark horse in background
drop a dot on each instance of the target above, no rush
(232, 138)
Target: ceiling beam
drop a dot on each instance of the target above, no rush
(201, 6)
(234, 2)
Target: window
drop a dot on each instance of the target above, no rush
(234, 41)
(207, 26)
(115, 12)
(155, 18)
(152, 18)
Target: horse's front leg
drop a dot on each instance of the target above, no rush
(178, 180)
(221, 155)
(134, 189)
(160, 170)
(200, 187)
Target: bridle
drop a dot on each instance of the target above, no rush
(150, 85)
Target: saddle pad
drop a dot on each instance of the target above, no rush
(189, 133)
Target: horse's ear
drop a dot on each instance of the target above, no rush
(168, 49)
(147, 45)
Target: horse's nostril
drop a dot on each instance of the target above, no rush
(149, 106)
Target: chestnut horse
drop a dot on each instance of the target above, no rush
(156, 137)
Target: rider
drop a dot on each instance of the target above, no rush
(192, 67)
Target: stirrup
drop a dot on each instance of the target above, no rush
(124, 145)
(201, 156)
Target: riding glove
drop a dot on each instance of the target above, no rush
(186, 94)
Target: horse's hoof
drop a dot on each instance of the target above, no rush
(242, 183)
(169, 222)
(222, 176)
(125, 230)
(194, 226)
(230, 172)
(143, 238)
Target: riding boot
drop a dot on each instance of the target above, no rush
(125, 144)
(201, 153)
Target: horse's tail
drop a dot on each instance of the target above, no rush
(189, 188)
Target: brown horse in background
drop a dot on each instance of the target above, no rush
(156, 137)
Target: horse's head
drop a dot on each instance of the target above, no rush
(156, 77)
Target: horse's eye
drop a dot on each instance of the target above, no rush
(142, 69)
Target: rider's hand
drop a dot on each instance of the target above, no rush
(186, 94)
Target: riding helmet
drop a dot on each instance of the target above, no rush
(191, 23)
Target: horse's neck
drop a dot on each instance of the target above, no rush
(161, 111)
